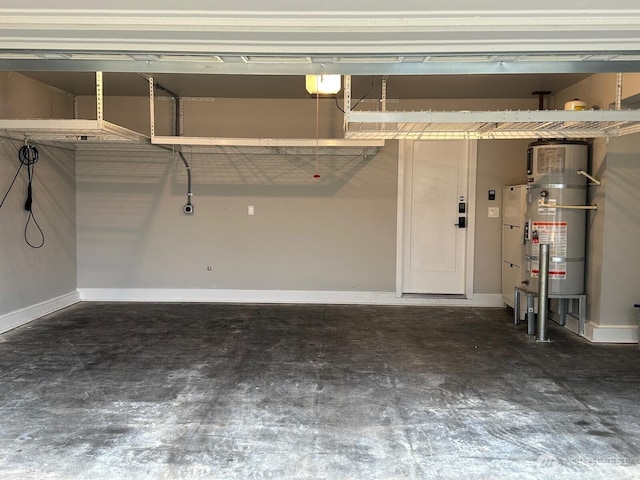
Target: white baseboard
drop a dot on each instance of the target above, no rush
(600, 334)
(28, 314)
(611, 333)
(277, 296)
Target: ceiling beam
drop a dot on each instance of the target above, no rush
(343, 67)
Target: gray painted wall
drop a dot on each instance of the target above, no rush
(500, 162)
(335, 233)
(30, 276)
(620, 272)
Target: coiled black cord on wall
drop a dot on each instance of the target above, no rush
(28, 157)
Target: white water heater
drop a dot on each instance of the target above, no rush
(553, 179)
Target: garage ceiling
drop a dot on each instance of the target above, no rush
(332, 36)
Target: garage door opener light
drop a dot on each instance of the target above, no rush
(323, 84)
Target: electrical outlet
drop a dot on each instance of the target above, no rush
(251, 210)
(494, 212)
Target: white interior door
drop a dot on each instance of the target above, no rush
(434, 191)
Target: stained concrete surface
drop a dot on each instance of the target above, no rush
(200, 391)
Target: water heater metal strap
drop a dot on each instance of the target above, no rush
(567, 207)
(556, 186)
(556, 259)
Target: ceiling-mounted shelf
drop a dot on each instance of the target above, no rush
(71, 130)
(245, 141)
(491, 124)
(266, 142)
(361, 128)
(416, 125)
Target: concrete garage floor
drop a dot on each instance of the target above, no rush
(201, 391)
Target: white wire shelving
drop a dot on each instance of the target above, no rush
(507, 124)
(361, 128)
(72, 129)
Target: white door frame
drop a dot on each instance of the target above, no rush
(472, 151)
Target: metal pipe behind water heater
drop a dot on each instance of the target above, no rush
(543, 293)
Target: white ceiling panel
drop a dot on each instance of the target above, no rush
(375, 33)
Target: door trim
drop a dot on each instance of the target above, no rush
(405, 147)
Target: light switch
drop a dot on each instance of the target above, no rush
(251, 210)
(494, 212)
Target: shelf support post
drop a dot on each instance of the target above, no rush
(152, 110)
(99, 99)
